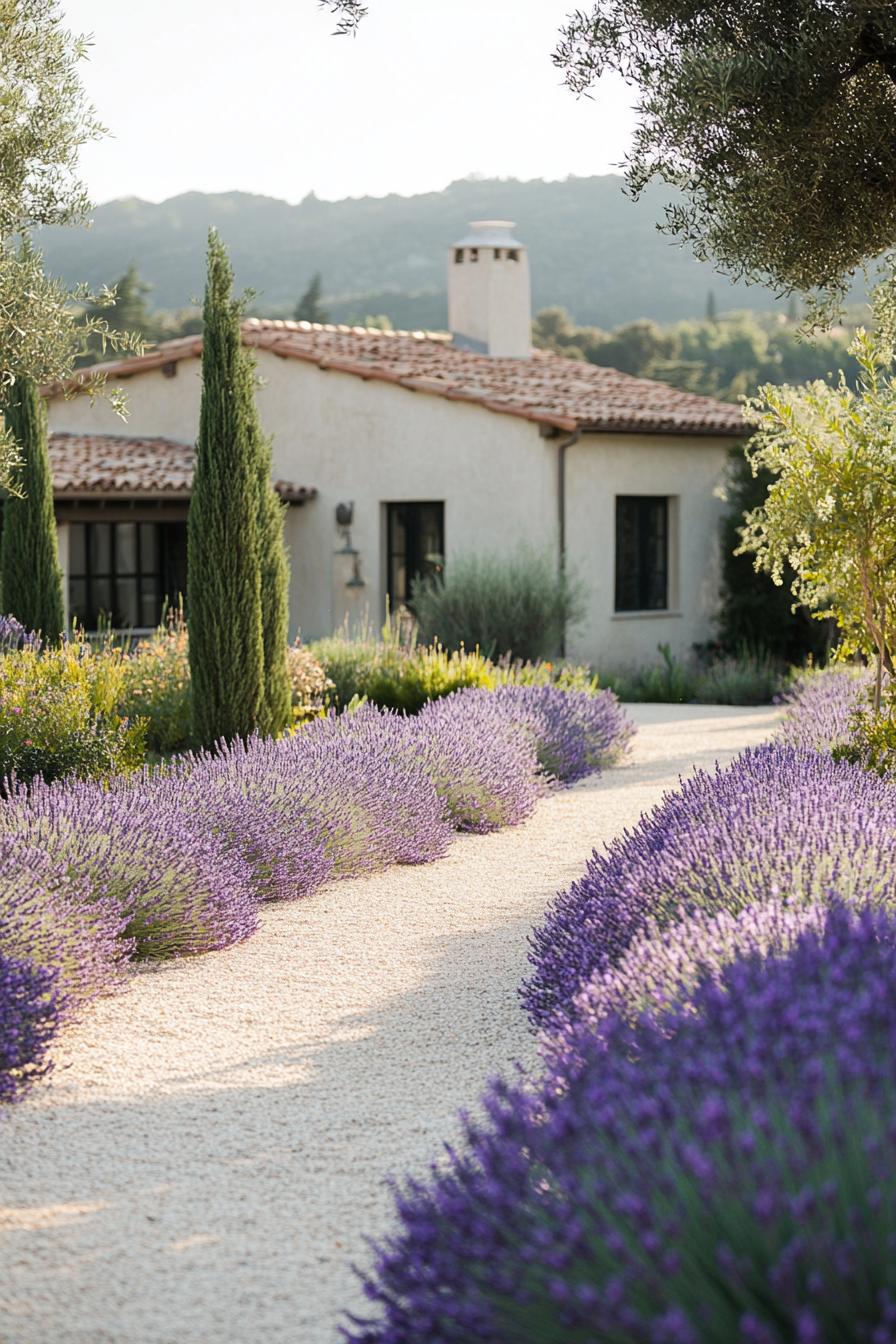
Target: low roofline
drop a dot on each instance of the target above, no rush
(273, 336)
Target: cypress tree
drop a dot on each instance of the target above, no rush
(277, 708)
(223, 544)
(29, 557)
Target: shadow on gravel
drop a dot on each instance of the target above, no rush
(230, 1209)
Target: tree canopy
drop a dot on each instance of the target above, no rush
(309, 307)
(830, 511)
(776, 119)
(44, 120)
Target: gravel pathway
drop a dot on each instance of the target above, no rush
(209, 1154)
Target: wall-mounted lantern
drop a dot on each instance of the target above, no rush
(344, 515)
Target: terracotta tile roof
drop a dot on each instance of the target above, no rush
(88, 466)
(567, 394)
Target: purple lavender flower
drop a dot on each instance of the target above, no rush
(661, 967)
(484, 766)
(575, 734)
(779, 821)
(819, 707)
(342, 797)
(30, 1012)
(55, 918)
(718, 1174)
(177, 888)
(13, 635)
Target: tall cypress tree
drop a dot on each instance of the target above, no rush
(29, 558)
(277, 709)
(223, 556)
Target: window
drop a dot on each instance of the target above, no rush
(415, 546)
(458, 255)
(121, 573)
(642, 553)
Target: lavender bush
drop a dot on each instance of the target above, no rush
(780, 820)
(484, 768)
(341, 798)
(571, 733)
(661, 967)
(13, 635)
(30, 1012)
(57, 920)
(178, 889)
(255, 805)
(819, 707)
(575, 734)
(720, 1174)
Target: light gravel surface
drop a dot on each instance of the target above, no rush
(209, 1155)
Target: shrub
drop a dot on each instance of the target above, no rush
(13, 635)
(536, 735)
(251, 798)
(58, 920)
(519, 604)
(485, 769)
(156, 687)
(667, 681)
(565, 676)
(308, 682)
(397, 675)
(30, 1012)
(408, 679)
(662, 966)
(755, 611)
(343, 797)
(178, 888)
(714, 1174)
(779, 820)
(346, 663)
(575, 734)
(819, 706)
(58, 714)
(750, 677)
(367, 787)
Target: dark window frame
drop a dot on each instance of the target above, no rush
(415, 564)
(642, 553)
(169, 546)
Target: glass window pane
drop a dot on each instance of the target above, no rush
(77, 600)
(125, 613)
(100, 548)
(101, 593)
(642, 553)
(77, 549)
(149, 547)
(150, 602)
(126, 548)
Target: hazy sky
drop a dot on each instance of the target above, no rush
(257, 95)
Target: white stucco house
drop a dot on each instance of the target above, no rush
(399, 451)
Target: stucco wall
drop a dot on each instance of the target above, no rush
(370, 442)
(602, 466)
(367, 442)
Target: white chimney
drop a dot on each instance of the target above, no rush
(489, 298)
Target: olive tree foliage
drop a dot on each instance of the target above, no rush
(830, 511)
(44, 120)
(774, 120)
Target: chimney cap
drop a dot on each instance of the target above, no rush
(490, 233)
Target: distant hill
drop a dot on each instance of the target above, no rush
(592, 250)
